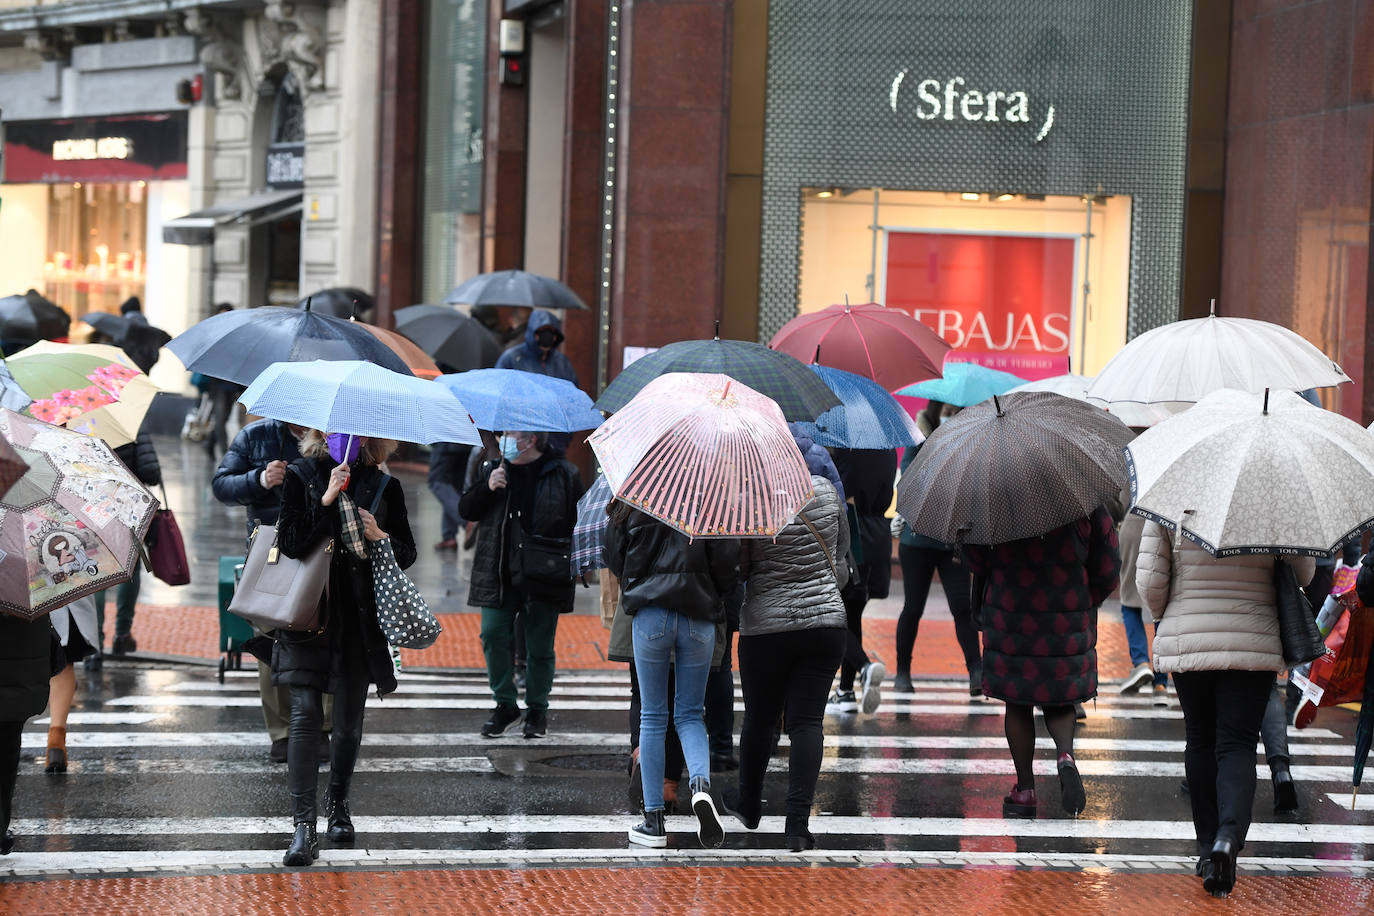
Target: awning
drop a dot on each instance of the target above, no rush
(198, 228)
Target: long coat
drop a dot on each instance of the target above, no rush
(1040, 612)
(26, 653)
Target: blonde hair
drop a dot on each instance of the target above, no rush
(373, 451)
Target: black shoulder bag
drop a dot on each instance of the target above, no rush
(540, 566)
(1302, 641)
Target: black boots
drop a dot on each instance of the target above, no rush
(336, 809)
(305, 845)
(1219, 880)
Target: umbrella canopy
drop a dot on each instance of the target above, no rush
(121, 330)
(348, 396)
(90, 388)
(964, 384)
(32, 317)
(1245, 473)
(237, 346)
(12, 467)
(785, 379)
(72, 525)
(705, 454)
(1070, 386)
(450, 337)
(1076, 387)
(416, 360)
(883, 344)
(1364, 730)
(589, 534)
(515, 288)
(339, 302)
(1181, 363)
(12, 397)
(501, 399)
(1013, 467)
(868, 417)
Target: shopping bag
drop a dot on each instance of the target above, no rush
(1338, 675)
(402, 613)
(166, 548)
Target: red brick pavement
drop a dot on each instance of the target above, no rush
(582, 641)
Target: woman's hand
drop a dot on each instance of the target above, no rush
(338, 479)
(371, 530)
(497, 480)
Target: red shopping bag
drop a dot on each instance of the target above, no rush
(167, 550)
(1338, 676)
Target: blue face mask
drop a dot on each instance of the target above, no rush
(338, 443)
(509, 449)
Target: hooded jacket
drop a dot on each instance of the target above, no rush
(530, 358)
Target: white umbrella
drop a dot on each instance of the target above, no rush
(1181, 363)
(1069, 385)
(1245, 473)
(1128, 412)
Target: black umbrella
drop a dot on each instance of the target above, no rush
(1013, 467)
(515, 288)
(121, 329)
(799, 391)
(449, 336)
(340, 302)
(32, 317)
(236, 346)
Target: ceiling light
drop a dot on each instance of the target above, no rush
(825, 194)
(1006, 196)
(970, 195)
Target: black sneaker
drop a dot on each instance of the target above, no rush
(502, 718)
(536, 723)
(651, 832)
(278, 752)
(123, 645)
(710, 831)
(902, 683)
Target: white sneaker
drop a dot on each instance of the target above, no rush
(869, 695)
(1140, 675)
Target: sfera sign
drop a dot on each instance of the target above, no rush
(953, 99)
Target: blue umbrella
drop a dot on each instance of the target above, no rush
(514, 399)
(349, 396)
(964, 384)
(589, 534)
(868, 417)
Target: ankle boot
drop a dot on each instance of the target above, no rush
(651, 832)
(305, 845)
(57, 750)
(336, 810)
(798, 833)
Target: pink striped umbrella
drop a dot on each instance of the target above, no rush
(705, 454)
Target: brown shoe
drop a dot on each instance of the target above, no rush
(446, 544)
(57, 750)
(670, 796)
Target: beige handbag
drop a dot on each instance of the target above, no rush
(276, 592)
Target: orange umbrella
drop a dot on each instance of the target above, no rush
(416, 360)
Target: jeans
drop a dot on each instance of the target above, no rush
(661, 635)
(919, 565)
(447, 465)
(541, 628)
(786, 675)
(303, 742)
(672, 747)
(1222, 712)
(1274, 729)
(1137, 643)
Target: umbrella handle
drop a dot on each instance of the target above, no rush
(490, 443)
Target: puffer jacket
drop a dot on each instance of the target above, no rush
(238, 479)
(660, 566)
(1128, 537)
(140, 457)
(791, 583)
(1212, 614)
(26, 653)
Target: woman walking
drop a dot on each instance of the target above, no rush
(351, 654)
(792, 639)
(674, 587)
(76, 626)
(1217, 632)
(1039, 621)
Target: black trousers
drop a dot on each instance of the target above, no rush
(11, 739)
(854, 655)
(786, 674)
(1222, 712)
(303, 742)
(919, 565)
(720, 704)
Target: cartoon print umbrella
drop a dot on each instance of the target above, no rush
(74, 523)
(93, 389)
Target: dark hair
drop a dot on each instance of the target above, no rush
(619, 512)
(223, 307)
(932, 411)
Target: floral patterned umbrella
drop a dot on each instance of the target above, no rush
(90, 388)
(72, 525)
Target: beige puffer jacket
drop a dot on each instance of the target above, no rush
(1212, 615)
(1128, 542)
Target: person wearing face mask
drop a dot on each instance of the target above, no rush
(525, 500)
(351, 653)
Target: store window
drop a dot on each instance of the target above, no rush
(97, 245)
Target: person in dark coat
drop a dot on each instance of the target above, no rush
(1039, 620)
(141, 347)
(27, 656)
(530, 493)
(540, 353)
(139, 457)
(351, 653)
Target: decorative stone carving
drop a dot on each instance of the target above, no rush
(220, 52)
(289, 39)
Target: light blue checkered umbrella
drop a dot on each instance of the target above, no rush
(361, 399)
(512, 399)
(868, 417)
(964, 384)
(589, 534)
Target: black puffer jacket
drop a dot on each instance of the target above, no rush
(238, 477)
(869, 476)
(25, 666)
(140, 457)
(558, 488)
(352, 638)
(660, 566)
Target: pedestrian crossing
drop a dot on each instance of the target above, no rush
(167, 759)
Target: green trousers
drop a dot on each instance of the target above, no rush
(126, 598)
(541, 627)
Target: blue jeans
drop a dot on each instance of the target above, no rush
(447, 466)
(662, 637)
(1137, 642)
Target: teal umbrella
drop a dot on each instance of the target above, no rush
(964, 384)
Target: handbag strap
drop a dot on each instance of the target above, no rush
(381, 488)
(825, 549)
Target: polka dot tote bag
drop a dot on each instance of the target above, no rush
(405, 619)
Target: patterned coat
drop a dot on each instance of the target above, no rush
(1040, 611)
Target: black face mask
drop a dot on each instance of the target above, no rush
(546, 339)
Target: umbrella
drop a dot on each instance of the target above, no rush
(12, 467)
(1070, 386)
(1180, 363)
(122, 330)
(964, 384)
(868, 416)
(339, 302)
(237, 346)
(500, 399)
(1076, 387)
(90, 388)
(785, 379)
(1364, 733)
(705, 454)
(589, 534)
(515, 288)
(12, 396)
(32, 317)
(416, 360)
(1013, 467)
(886, 345)
(449, 336)
(1246, 473)
(72, 525)
(349, 396)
